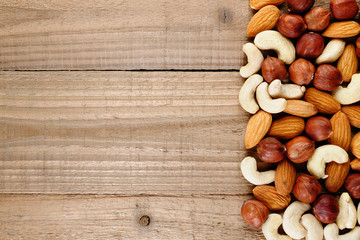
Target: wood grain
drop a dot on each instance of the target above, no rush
(128, 133)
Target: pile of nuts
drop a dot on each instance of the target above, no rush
(306, 119)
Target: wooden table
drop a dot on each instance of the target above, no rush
(147, 123)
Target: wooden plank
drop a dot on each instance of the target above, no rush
(111, 34)
(163, 133)
(113, 217)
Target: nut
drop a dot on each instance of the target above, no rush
(341, 130)
(287, 127)
(355, 164)
(347, 212)
(271, 226)
(318, 128)
(355, 145)
(352, 185)
(291, 25)
(285, 176)
(317, 19)
(306, 188)
(257, 127)
(310, 45)
(325, 154)
(299, 6)
(313, 227)
(252, 175)
(247, 94)
(331, 232)
(358, 47)
(254, 213)
(288, 91)
(273, 40)
(300, 108)
(302, 72)
(350, 94)
(292, 216)
(265, 19)
(327, 77)
(343, 29)
(344, 9)
(258, 4)
(271, 198)
(332, 51)
(353, 113)
(271, 150)
(323, 101)
(266, 102)
(337, 174)
(255, 60)
(326, 208)
(273, 68)
(300, 149)
(348, 63)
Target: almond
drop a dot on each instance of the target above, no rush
(348, 63)
(353, 113)
(265, 19)
(287, 127)
(343, 29)
(300, 108)
(337, 174)
(258, 4)
(285, 177)
(323, 101)
(257, 127)
(271, 198)
(355, 145)
(355, 164)
(341, 128)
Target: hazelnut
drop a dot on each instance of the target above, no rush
(306, 188)
(326, 208)
(327, 77)
(300, 149)
(271, 150)
(318, 128)
(344, 9)
(302, 72)
(291, 25)
(254, 213)
(299, 6)
(273, 68)
(317, 19)
(352, 185)
(310, 45)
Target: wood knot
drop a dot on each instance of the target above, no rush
(225, 16)
(144, 221)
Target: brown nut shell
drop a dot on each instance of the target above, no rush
(254, 213)
(353, 113)
(326, 208)
(317, 19)
(287, 127)
(348, 63)
(318, 128)
(306, 188)
(310, 45)
(344, 9)
(300, 149)
(355, 165)
(355, 145)
(271, 150)
(327, 78)
(271, 198)
(302, 71)
(291, 25)
(299, 6)
(285, 176)
(341, 130)
(273, 68)
(352, 185)
(323, 101)
(337, 174)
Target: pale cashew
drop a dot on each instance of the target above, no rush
(287, 91)
(271, 39)
(347, 212)
(266, 102)
(292, 215)
(250, 172)
(331, 232)
(270, 228)
(255, 60)
(332, 51)
(323, 155)
(247, 94)
(350, 94)
(313, 227)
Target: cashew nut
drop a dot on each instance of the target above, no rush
(332, 51)
(271, 39)
(270, 228)
(347, 212)
(255, 60)
(331, 232)
(247, 94)
(287, 91)
(323, 155)
(250, 172)
(313, 227)
(266, 102)
(350, 94)
(292, 215)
